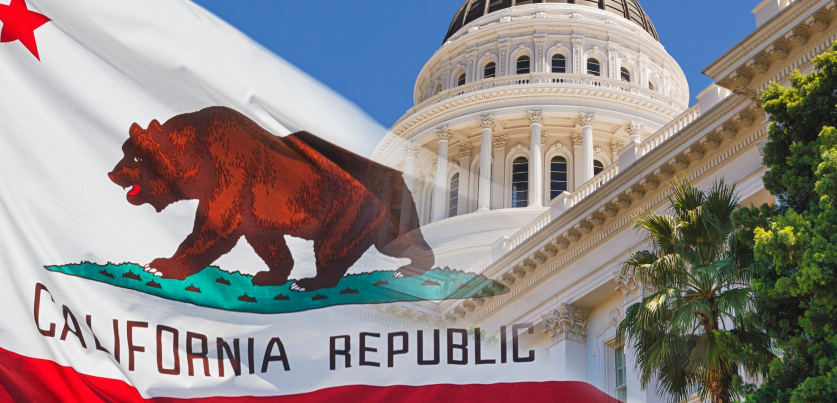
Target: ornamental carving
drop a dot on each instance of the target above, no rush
(465, 151)
(756, 65)
(796, 37)
(630, 285)
(817, 23)
(634, 129)
(519, 147)
(587, 119)
(499, 142)
(543, 139)
(535, 117)
(776, 52)
(558, 146)
(444, 134)
(411, 150)
(578, 140)
(616, 145)
(566, 322)
(487, 122)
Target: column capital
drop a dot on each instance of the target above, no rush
(535, 117)
(566, 322)
(634, 129)
(411, 150)
(632, 287)
(578, 140)
(444, 134)
(578, 42)
(465, 151)
(500, 142)
(587, 119)
(487, 122)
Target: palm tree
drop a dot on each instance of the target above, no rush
(700, 273)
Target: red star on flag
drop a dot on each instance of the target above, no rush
(19, 24)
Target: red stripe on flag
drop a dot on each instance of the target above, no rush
(34, 380)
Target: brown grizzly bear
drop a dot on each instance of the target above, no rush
(253, 184)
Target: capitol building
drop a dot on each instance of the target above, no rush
(541, 128)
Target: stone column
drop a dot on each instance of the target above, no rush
(407, 197)
(577, 143)
(484, 197)
(498, 177)
(587, 120)
(440, 202)
(535, 159)
(464, 179)
(567, 329)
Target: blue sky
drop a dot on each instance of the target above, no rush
(371, 51)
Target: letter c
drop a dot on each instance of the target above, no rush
(38, 288)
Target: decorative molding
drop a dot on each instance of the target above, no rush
(616, 145)
(499, 142)
(535, 117)
(558, 146)
(444, 134)
(566, 322)
(587, 119)
(578, 140)
(631, 286)
(487, 122)
(465, 151)
(411, 150)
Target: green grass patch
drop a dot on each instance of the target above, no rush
(215, 288)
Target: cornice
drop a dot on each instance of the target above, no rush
(762, 34)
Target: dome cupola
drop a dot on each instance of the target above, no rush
(473, 9)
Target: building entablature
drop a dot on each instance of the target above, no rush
(765, 55)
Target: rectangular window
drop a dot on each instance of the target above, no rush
(621, 374)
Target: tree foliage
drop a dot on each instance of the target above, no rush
(796, 245)
(687, 334)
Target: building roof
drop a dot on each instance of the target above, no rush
(473, 9)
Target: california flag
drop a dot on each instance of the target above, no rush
(184, 215)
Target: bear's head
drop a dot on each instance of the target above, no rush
(157, 164)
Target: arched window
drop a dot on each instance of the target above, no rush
(557, 176)
(626, 75)
(523, 64)
(651, 86)
(461, 80)
(490, 70)
(453, 204)
(559, 64)
(593, 67)
(598, 167)
(520, 182)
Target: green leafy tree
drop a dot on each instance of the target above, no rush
(797, 287)
(686, 334)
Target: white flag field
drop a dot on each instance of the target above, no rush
(185, 215)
